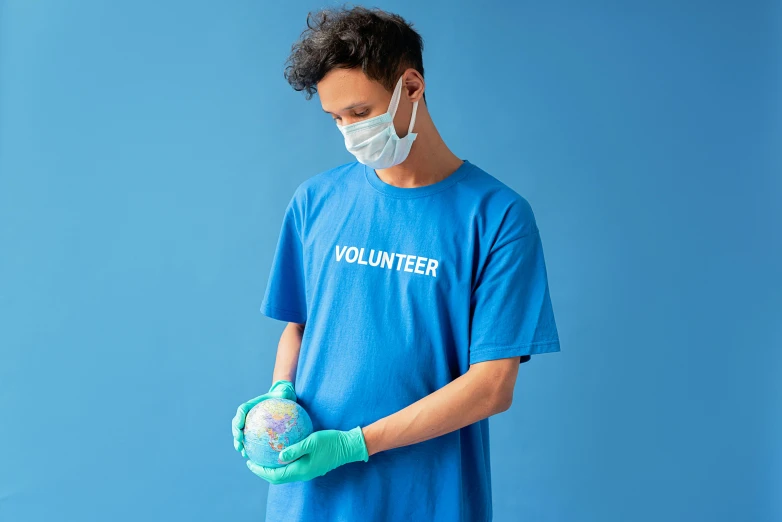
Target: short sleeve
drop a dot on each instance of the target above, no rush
(285, 296)
(511, 312)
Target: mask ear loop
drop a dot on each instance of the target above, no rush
(395, 99)
(412, 118)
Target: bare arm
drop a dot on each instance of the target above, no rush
(484, 390)
(288, 353)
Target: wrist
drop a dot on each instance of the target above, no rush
(284, 389)
(372, 438)
(358, 444)
(280, 383)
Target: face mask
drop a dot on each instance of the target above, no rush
(374, 142)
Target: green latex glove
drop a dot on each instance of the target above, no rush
(279, 390)
(315, 455)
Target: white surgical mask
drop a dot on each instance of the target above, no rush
(374, 142)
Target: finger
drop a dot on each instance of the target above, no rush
(241, 413)
(272, 475)
(290, 473)
(288, 454)
(298, 470)
(244, 409)
(239, 444)
(235, 429)
(238, 435)
(294, 451)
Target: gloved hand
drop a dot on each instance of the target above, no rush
(279, 390)
(315, 455)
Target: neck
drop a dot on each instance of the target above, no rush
(429, 161)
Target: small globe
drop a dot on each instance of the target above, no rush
(271, 426)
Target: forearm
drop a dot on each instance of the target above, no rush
(465, 400)
(288, 353)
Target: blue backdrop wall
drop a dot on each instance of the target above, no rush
(148, 150)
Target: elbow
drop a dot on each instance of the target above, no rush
(495, 380)
(503, 400)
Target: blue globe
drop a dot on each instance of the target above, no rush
(271, 426)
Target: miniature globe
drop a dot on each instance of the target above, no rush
(271, 426)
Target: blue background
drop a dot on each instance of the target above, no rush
(148, 151)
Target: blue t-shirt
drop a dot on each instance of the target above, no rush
(401, 289)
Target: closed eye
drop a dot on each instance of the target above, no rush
(358, 114)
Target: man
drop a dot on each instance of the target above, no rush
(414, 285)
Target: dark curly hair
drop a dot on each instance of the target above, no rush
(381, 43)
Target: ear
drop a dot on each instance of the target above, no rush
(413, 85)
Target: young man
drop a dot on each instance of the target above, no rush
(414, 284)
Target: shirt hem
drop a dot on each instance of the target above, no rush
(502, 352)
(282, 314)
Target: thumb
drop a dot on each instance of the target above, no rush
(295, 451)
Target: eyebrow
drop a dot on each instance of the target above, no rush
(350, 106)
